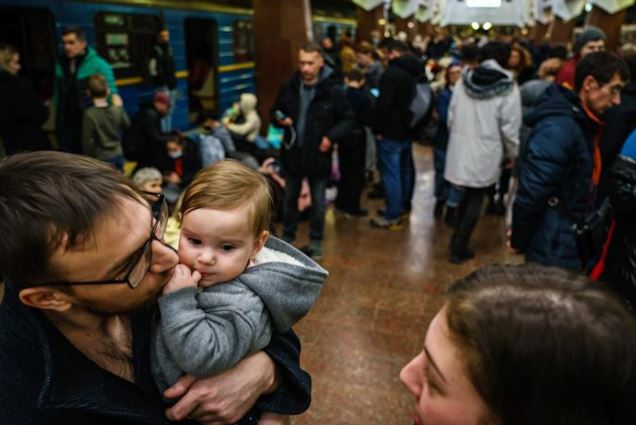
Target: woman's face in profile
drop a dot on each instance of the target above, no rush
(444, 395)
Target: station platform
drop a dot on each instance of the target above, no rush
(384, 288)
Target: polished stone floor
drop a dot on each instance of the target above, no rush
(384, 288)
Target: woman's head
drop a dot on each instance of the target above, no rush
(536, 345)
(9, 59)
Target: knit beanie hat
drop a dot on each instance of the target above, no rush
(590, 33)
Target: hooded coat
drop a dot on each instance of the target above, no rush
(203, 333)
(484, 119)
(252, 122)
(328, 114)
(397, 87)
(557, 162)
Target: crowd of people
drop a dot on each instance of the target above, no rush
(116, 282)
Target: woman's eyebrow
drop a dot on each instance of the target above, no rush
(432, 363)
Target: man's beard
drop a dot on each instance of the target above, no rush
(145, 305)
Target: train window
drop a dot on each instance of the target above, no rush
(124, 41)
(243, 41)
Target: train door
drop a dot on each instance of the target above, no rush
(32, 32)
(201, 59)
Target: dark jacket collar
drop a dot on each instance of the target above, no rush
(64, 378)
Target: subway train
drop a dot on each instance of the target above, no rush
(213, 46)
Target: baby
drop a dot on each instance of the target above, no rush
(234, 285)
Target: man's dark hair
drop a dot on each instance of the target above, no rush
(398, 46)
(600, 65)
(45, 196)
(558, 51)
(497, 50)
(355, 75)
(77, 30)
(470, 53)
(542, 345)
(311, 47)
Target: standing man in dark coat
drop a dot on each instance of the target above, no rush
(619, 123)
(21, 112)
(395, 135)
(161, 69)
(78, 63)
(144, 141)
(312, 108)
(561, 166)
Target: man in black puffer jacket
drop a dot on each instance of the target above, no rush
(561, 167)
(393, 129)
(619, 123)
(312, 108)
(620, 263)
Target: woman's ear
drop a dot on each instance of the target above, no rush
(45, 298)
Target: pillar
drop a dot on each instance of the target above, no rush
(539, 32)
(610, 23)
(366, 22)
(280, 27)
(562, 32)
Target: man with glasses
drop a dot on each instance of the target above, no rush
(561, 165)
(83, 259)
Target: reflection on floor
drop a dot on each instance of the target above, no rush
(374, 310)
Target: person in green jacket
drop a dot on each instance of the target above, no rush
(72, 71)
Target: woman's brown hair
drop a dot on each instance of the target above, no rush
(545, 346)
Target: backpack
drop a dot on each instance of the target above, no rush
(421, 101)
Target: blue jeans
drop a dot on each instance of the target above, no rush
(439, 163)
(398, 175)
(454, 195)
(318, 189)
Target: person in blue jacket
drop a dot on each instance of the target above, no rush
(561, 166)
(84, 259)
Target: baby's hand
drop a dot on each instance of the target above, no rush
(182, 278)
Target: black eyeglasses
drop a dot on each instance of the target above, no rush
(142, 258)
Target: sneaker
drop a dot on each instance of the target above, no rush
(458, 257)
(313, 250)
(404, 215)
(382, 223)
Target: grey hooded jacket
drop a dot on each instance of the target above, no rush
(204, 332)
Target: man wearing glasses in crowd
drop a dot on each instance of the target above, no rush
(83, 259)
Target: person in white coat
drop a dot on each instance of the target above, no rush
(484, 119)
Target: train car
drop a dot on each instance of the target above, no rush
(213, 46)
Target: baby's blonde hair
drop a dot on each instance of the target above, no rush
(228, 185)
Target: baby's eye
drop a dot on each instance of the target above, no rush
(194, 241)
(227, 247)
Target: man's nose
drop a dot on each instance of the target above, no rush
(164, 257)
